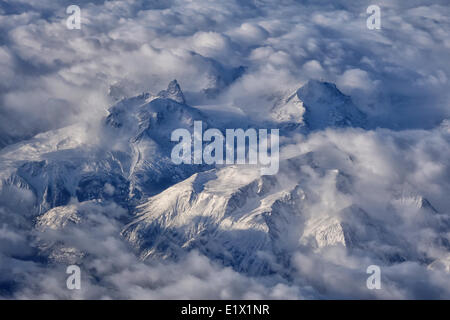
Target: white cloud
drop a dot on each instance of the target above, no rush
(51, 76)
(355, 79)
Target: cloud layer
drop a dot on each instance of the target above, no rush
(52, 75)
(244, 53)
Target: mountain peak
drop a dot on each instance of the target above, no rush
(318, 105)
(314, 90)
(173, 92)
(326, 106)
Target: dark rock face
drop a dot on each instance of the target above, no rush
(173, 92)
(104, 186)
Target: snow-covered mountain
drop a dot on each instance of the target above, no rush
(254, 224)
(130, 159)
(315, 106)
(132, 156)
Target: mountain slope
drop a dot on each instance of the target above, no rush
(256, 223)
